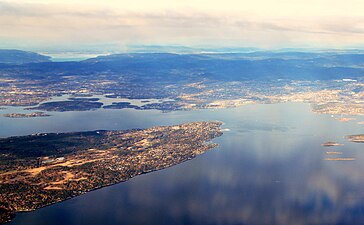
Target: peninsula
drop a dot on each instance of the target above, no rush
(45, 168)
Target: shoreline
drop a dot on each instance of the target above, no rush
(122, 156)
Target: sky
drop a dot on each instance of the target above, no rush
(117, 24)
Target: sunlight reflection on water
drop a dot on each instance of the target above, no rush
(269, 168)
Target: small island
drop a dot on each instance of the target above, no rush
(359, 138)
(331, 144)
(166, 106)
(344, 119)
(72, 105)
(340, 159)
(42, 169)
(121, 105)
(334, 153)
(84, 99)
(24, 115)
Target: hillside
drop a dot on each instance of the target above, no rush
(9, 56)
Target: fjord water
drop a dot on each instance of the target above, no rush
(269, 168)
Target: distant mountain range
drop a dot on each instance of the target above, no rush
(146, 67)
(10, 56)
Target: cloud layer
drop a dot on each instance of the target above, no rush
(239, 23)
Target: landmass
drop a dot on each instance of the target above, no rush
(42, 169)
(332, 82)
(24, 115)
(359, 138)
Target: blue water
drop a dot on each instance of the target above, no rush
(268, 169)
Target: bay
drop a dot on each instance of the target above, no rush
(269, 168)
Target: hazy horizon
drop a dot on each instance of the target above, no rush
(116, 25)
(59, 53)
